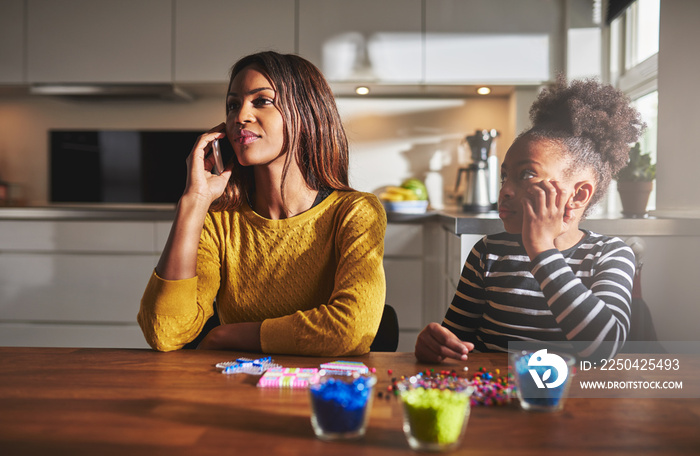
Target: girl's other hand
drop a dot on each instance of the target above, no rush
(201, 181)
(437, 343)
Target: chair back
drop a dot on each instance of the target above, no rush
(387, 338)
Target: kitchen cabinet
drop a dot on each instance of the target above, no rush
(403, 267)
(414, 265)
(211, 35)
(74, 283)
(191, 42)
(456, 253)
(503, 41)
(12, 49)
(100, 41)
(80, 282)
(363, 39)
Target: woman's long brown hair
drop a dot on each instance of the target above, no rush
(313, 133)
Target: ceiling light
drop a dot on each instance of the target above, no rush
(483, 90)
(362, 90)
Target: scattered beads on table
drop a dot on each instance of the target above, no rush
(490, 388)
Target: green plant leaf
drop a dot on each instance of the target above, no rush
(639, 168)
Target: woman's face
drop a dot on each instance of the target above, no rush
(528, 161)
(253, 124)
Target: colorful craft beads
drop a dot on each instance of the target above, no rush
(491, 390)
(340, 405)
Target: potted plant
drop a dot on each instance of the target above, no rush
(635, 182)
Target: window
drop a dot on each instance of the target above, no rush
(633, 67)
(642, 32)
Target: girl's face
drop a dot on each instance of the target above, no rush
(254, 125)
(528, 161)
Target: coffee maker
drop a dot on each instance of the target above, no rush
(479, 192)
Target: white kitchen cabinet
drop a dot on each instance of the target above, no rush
(89, 288)
(363, 39)
(411, 260)
(404, 281)
(456, 253)
(211, 35)
(75, 236)
(12, 49)
(70, 335)
(100, 41)
(492, 41)
(74, 283)
(162, 233)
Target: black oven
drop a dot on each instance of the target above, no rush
(120, 166)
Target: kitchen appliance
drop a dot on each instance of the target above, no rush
(121, 166)
(478, 193)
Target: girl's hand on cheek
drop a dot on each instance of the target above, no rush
(543, 216)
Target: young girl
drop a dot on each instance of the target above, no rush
(545, 279)
(291, 254)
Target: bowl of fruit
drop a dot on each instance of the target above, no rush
(411, 197)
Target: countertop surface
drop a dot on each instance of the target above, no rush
(452, 219)
(89, 212)
(460, 222)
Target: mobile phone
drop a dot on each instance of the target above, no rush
(218, 161)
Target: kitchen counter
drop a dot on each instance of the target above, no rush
(90, 212)
(460, 222)
(453, 219)
(489, 223)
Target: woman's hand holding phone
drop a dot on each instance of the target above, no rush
(178, 260)
(206, 175)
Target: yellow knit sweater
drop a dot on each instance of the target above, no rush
(316, 280)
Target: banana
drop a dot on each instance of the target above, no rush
(391, 197)
(393, 193)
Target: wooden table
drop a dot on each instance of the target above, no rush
(56, 401)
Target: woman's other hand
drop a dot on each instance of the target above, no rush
(437, 343)
(201, 181)
(233, 336)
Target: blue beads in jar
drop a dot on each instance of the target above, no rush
(340, 405)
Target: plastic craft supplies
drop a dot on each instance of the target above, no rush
(288, 377)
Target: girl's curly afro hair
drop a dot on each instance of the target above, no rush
(593, 121)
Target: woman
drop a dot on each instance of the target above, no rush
(292, 255)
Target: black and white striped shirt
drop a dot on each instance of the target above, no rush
(582, 295)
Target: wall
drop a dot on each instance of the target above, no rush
(670, 263)
(390, 140)
(679, 99)
(25, 121)
(669, 280)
